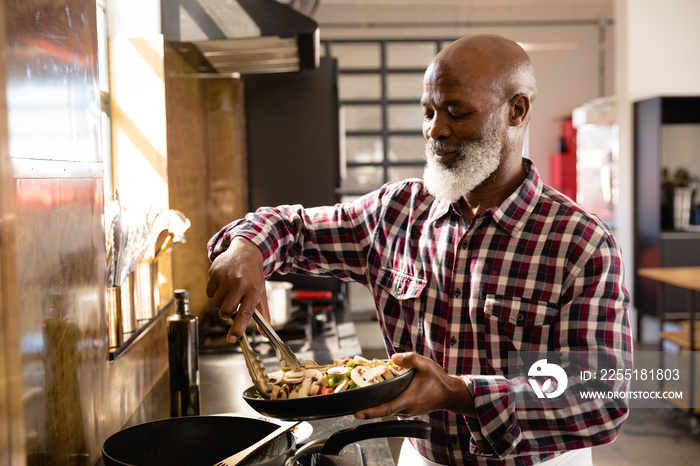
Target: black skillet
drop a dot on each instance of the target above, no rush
(195, 440)
(330, 405)
(205, 440)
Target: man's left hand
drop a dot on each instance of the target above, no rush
(431, 389)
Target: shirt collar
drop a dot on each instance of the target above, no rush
(512, 213)
(440, 208)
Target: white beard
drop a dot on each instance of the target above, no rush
(474, 163)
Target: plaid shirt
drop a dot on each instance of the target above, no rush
(535, 273)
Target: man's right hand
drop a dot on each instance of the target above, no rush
(236, 283)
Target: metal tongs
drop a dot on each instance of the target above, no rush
(255, 366)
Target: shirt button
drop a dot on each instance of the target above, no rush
(453, 439)
(465, 244)
(457, 292)
(521, 317)
(453, 341)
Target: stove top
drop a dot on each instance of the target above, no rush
(301, 333)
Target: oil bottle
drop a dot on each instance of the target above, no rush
(183, 353)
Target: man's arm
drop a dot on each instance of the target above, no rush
(322, 241)
(236, 279)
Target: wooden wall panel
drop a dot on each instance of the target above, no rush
(228, 171)
(206, 165)
(187, 172)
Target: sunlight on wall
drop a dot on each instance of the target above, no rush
(138, 122)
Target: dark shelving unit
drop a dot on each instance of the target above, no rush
(655, 244)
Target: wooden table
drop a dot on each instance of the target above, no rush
(688, 278)
(685, 277)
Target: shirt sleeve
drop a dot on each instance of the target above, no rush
(329, 241)
(593, 325)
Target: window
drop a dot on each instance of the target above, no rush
(105, 118)
(380, 85)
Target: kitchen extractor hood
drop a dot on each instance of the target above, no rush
(231, 37)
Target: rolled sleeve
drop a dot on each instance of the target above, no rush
(495, 430)
(255, 229)
(327, 241)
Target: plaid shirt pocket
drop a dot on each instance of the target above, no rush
(516, 324)
(402, 308)
(400, 285)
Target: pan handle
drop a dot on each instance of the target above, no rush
(410, 428)
(333, 444)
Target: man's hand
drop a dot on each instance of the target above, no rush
(236, 279)
(430, 390)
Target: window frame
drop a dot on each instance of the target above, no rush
(384, 102)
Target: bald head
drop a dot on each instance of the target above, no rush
(492, 61)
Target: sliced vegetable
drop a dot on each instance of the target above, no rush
(337, 370)
(304, 388)
(356, 377)
(374, 374)
(360, 361)
(344, 374)
(342, 386)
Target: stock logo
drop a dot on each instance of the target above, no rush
(543, 369)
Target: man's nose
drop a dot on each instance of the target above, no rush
(436, 128)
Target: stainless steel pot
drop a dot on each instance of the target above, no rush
(279, 299)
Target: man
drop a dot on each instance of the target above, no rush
(477, 260)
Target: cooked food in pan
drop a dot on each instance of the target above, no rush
(344, 374)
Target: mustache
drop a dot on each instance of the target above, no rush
(434, 146)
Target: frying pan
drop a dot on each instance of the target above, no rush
(195, 440)
(205, 440)
(330, 405)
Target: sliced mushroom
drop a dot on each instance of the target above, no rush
(360, 361)
(274, 394)
(356, 376)
(304, 389)
(374, 374)
(341, 361)
(313, 373)
(315, 387)
(294, 376)
(276, 377)
(337, 370)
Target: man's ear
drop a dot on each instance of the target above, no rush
(519, 109)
